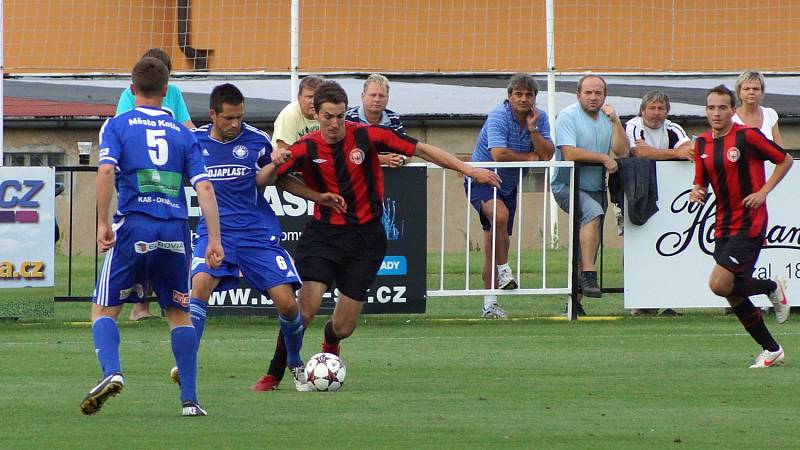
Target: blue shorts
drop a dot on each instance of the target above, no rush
(590, 204)
(149, 252)
(484, 193)
(263, 262)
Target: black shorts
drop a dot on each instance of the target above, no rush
(738, 254)
(350, 255)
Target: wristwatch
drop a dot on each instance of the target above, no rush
(535, 129)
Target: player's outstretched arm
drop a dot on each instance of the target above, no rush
(292, 184)
(104, 185)
(392, 160)
(441, 158)
(208, 206)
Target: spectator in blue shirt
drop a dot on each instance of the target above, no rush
(514, 131)
(586, 132)
(173, 101)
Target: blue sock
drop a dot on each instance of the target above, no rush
(197, 310)
(184, 347)
(106, 344)
(293, 337)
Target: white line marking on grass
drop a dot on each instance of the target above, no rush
(416, 338)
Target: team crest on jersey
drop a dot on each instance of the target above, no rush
(357, 156)
(733, 154)
(240, 152)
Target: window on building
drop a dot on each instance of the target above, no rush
(14, 159)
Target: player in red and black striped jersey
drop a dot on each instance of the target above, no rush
(731, 157)
(346, 244)
(349, 167)
(734, 165)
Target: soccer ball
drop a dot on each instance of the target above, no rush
(325, 372)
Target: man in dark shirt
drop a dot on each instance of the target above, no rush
(731, 157)
(373, 111)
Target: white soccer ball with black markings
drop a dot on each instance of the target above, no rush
(325, 372)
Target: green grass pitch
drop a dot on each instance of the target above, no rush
(440, 380)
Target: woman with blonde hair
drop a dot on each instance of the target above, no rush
(749, 89)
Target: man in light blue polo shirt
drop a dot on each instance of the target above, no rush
(585, 132)
(514, 131)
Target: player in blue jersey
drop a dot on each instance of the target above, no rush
(238, 157)
(145, 155)
(174, 104)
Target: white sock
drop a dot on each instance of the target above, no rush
(489, 299)
(503, 268)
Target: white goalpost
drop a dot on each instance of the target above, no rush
(2, 76)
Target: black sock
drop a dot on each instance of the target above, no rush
(277, 367)
(330, 336)
(745, 287)
(750, 317)
(589, 274)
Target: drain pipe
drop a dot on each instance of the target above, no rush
(199, 57)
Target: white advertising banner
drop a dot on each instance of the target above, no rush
(668, 260)
(27, 227)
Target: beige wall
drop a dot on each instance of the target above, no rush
(410, 35)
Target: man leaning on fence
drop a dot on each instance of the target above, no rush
(514, 131)
(586, 132)
(652, 136)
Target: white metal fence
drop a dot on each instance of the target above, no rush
(524, 224)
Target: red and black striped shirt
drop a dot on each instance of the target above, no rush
(349, 168)
(734, 165)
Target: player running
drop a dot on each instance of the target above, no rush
(347, 246)
(731, 157)
(145, 154)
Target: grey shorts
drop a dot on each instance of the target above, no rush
(590, 204)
